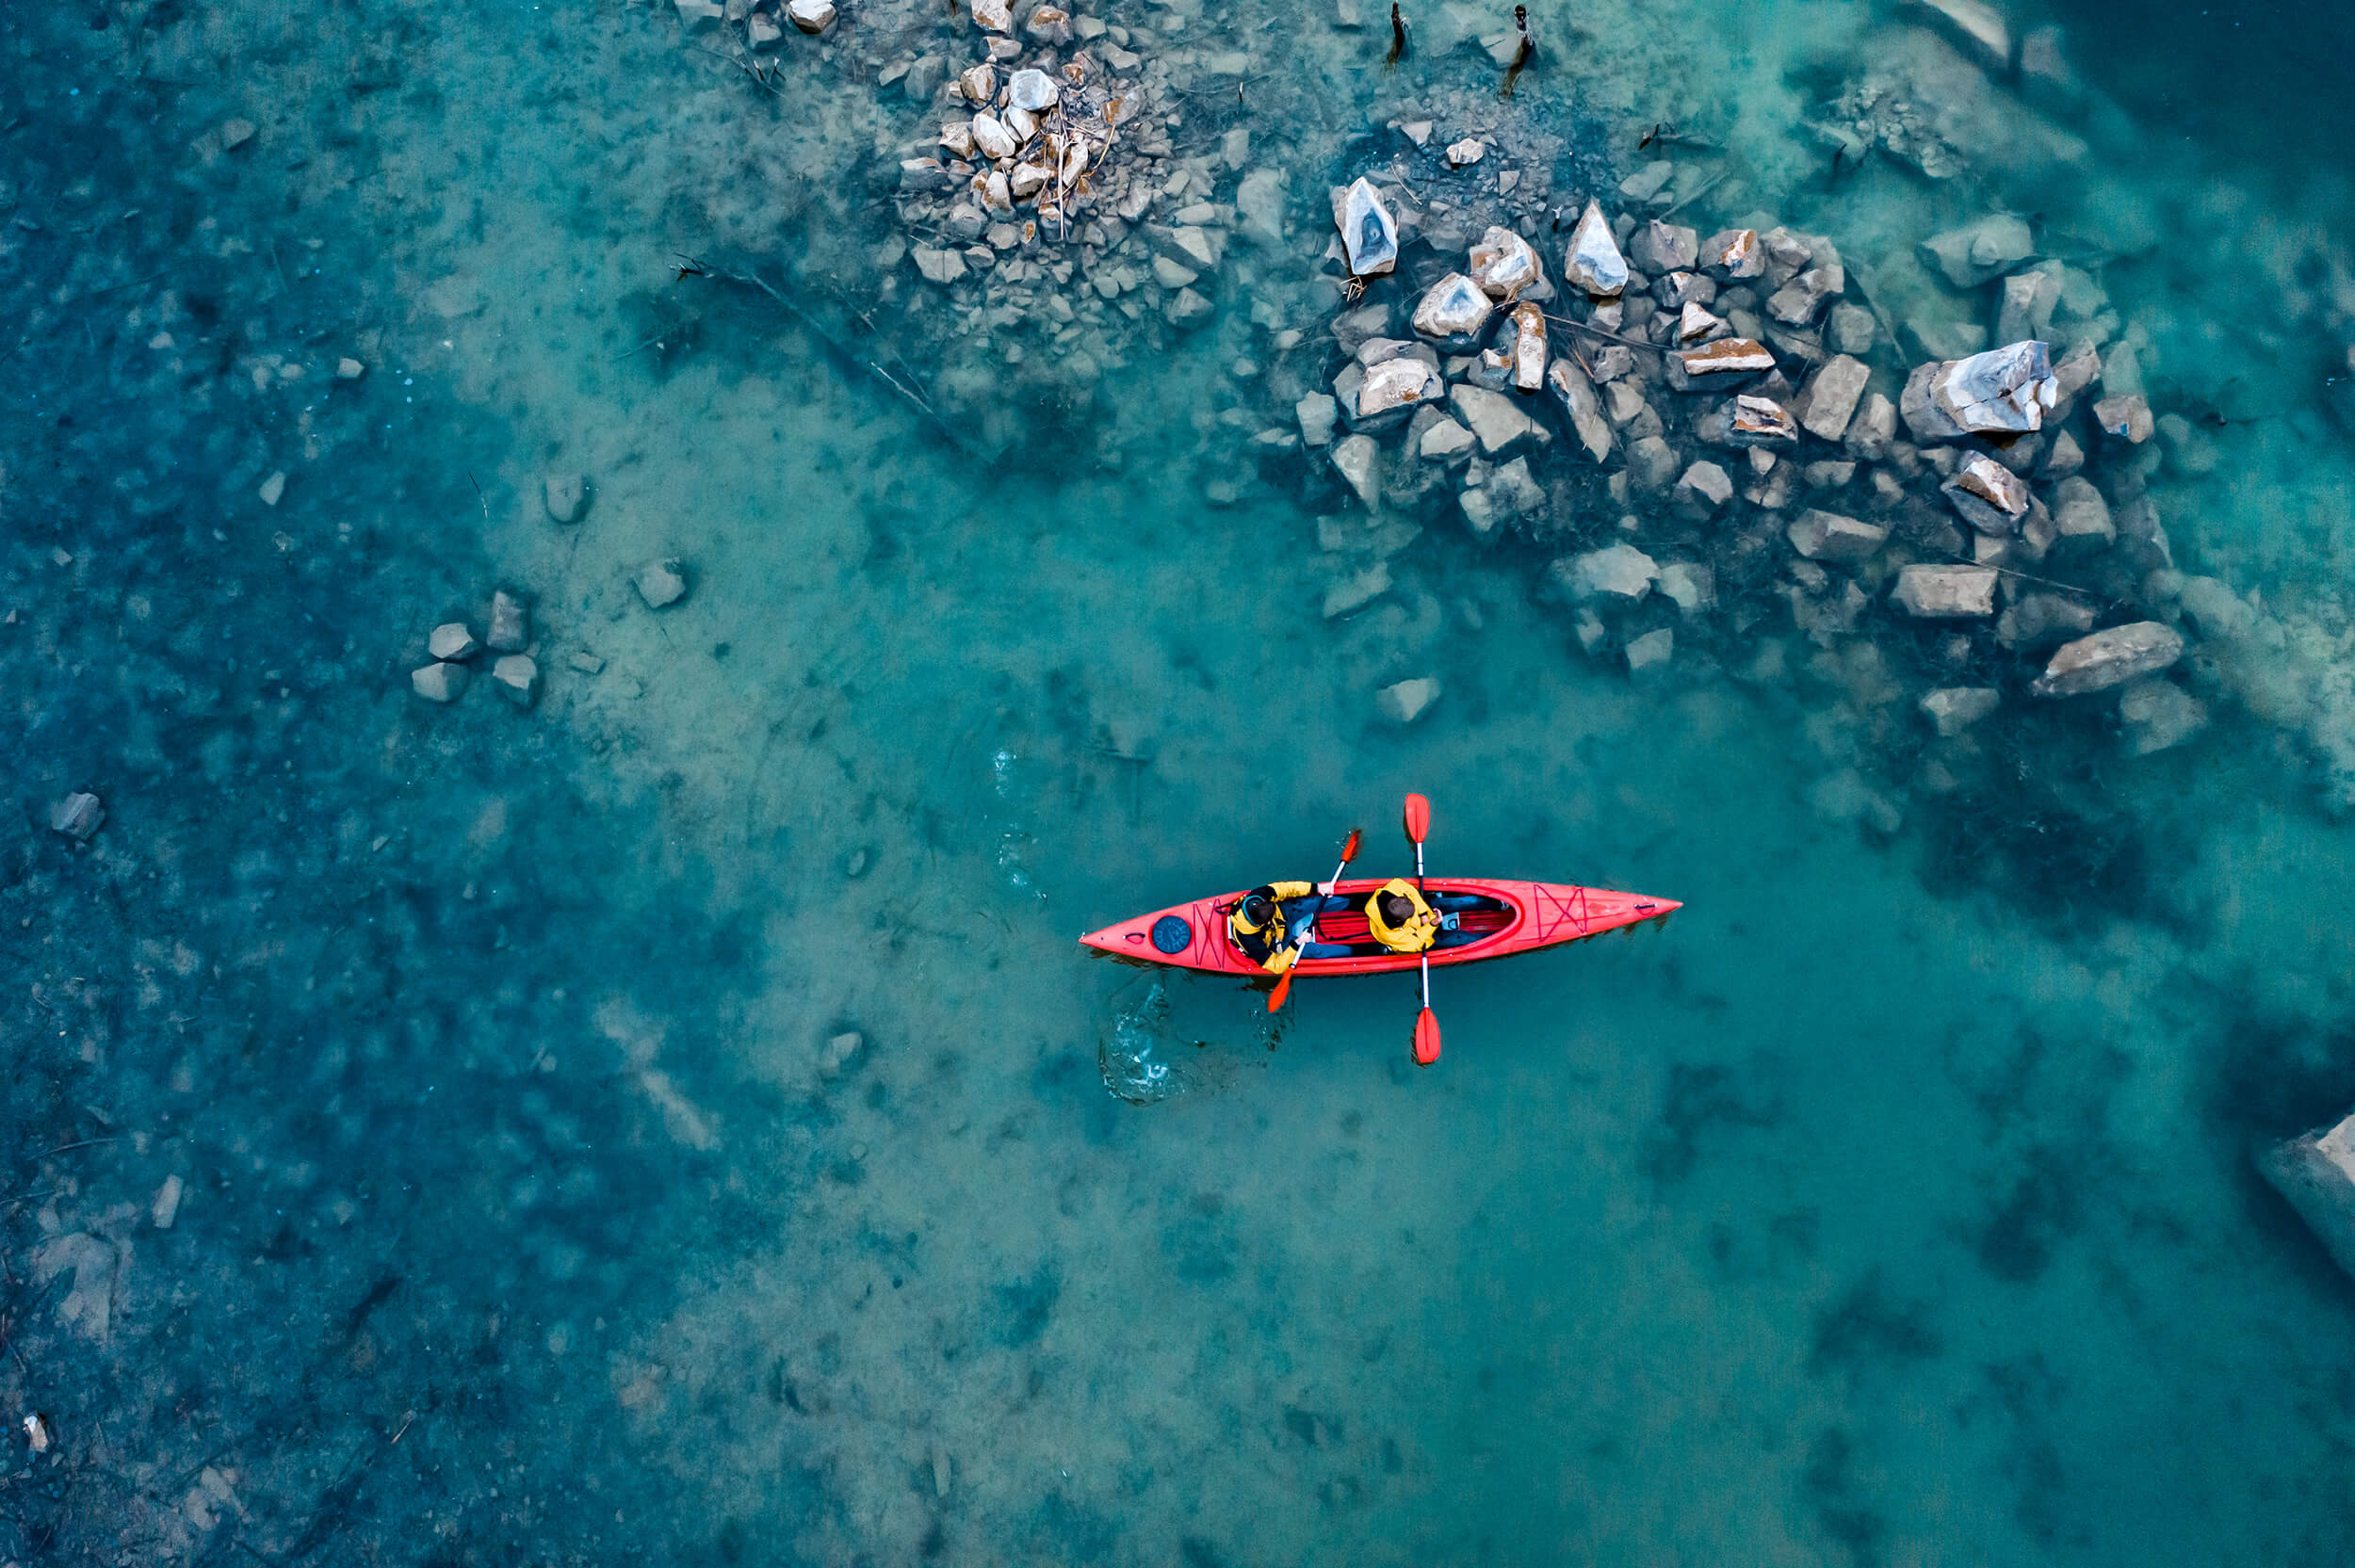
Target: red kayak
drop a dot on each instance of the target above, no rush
(1526, 917)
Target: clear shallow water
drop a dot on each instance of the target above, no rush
(1890, 1207)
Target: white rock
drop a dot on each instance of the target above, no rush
(1577, 397)
(1696, 323)
(2006, 390)
(1397, 383)
(761, 30)
(517, 677)
(994, 16)
(939, 267)
(979, 83)
(1049, 24)
(2157, 715)
(1692, 589)
(1973, 254)
(811, 16)
(1464, 154)
(1524, 342)
(1651, 651)
(564, 494)
(1505, 264)
(1359, 464)
(1316, 411)
(1492, 416)
(510, 623)
(1369, 233)
(836, 1051)
(1728, 356)
(1453, 307)
(78, 816)
(2108, 659)
(452, 641)
(2080, 516)
(662, 583)
(1800, 301)
(2316, 1173)
(1827, 536)
(1945, 592)
(1028, 180)
(349, 369)
(1956, 708)
(1170, 275)
(439, 683)
(1407, 701)
(275, 486)
(1618, 572)
(1594, 262)
(1033, 90)
(991, 138)
(1991, 497)
(1703, 488)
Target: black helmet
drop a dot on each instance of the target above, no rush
(1257, 909)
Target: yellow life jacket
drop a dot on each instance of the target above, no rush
(1268, 945)
(1416, 932)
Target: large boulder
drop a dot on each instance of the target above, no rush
(1594, 262)
(1505, 266)
(1827, 536)
(1945, 592)
(2005, 391)
(1494, 417)
(1832, 397)
(1453, 309)
(2109, 657)
(1616, 571)
(1369, 233)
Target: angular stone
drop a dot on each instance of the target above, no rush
(439, 683)
(2108, 659)
(2080, 516)
(1453, 308)
(810, 16)
(991, 139)
(1358, 462)
(1851, 330)
(510, 623)
(1677, 290)
(1492, 416)
(1692, 589)
(517, 677)
(1397, 383)
(1956, 708)
(1650, 652)
(1660, 248)
(1445, 441)
(1594, 262)
(1752, 422)
(662, 583)
(1315, 412)
(979, 84)
(1651, 464)
(939, 267)
(1703, 489)
(1991, 497)
(2003, 390)
(1358, 590)
(1832, 397)
(1800, 301)
(1728, 356)
(2124, 418)
(1829, 535)
(2157, 715)
(1049, 24)
(1523, 340)
(993, 16)
(1578, 406)
(2034, 621)
(1464, 154)
(1505, 264)
(1697, 324)
(1732, 255)
(1031, 90)
(452, 641)
(1873, 429)
(81, 814)
(1186, 308)
(1369, 233)
(1407, 701)
(1616, 571)
(1946, 593)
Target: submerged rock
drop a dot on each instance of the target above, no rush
(1703, 488)
(1316, 411)
(2109, 659)
(439, 683)
(564, 494)
(1829, 535)
(1956, 708)
(1358, 462)
(452, 641)
(2003, 390)
(662, 583)
(510, 623)
(78, 815)
(811, 16)
(1396, 383)
(2316, 1173)
(1728, 356)
(1991, 497)
(2157, 715)
(1369, 233)
(1453, 308)
(517, 677)
(1618, 572)
(1832, 397)
(1732, 255)
(1032, 91)
(2124, 418)
(1650, 652)
(1407, 701)
(1492, 416)
(1594, 262)
(1971, 255)
(1505, 264)
(1660, 248)
(1945, 592)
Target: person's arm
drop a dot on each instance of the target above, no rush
(1292, 890)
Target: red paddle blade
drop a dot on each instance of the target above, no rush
(1283, 989)
(1349, 850)
(1426, 1038)
(1418, 818)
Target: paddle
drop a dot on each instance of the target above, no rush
(1427, 1021)
(1284, 987)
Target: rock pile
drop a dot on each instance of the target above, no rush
(452, 646)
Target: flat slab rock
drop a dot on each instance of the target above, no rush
(1946, 593)
(2109, 657)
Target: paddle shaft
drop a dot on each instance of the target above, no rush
(1284, 986)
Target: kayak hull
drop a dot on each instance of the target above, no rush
(1535, 915)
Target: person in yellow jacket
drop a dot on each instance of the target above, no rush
(1272, 924)
(1402, 920)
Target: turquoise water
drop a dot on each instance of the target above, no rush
(1891, 1206)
